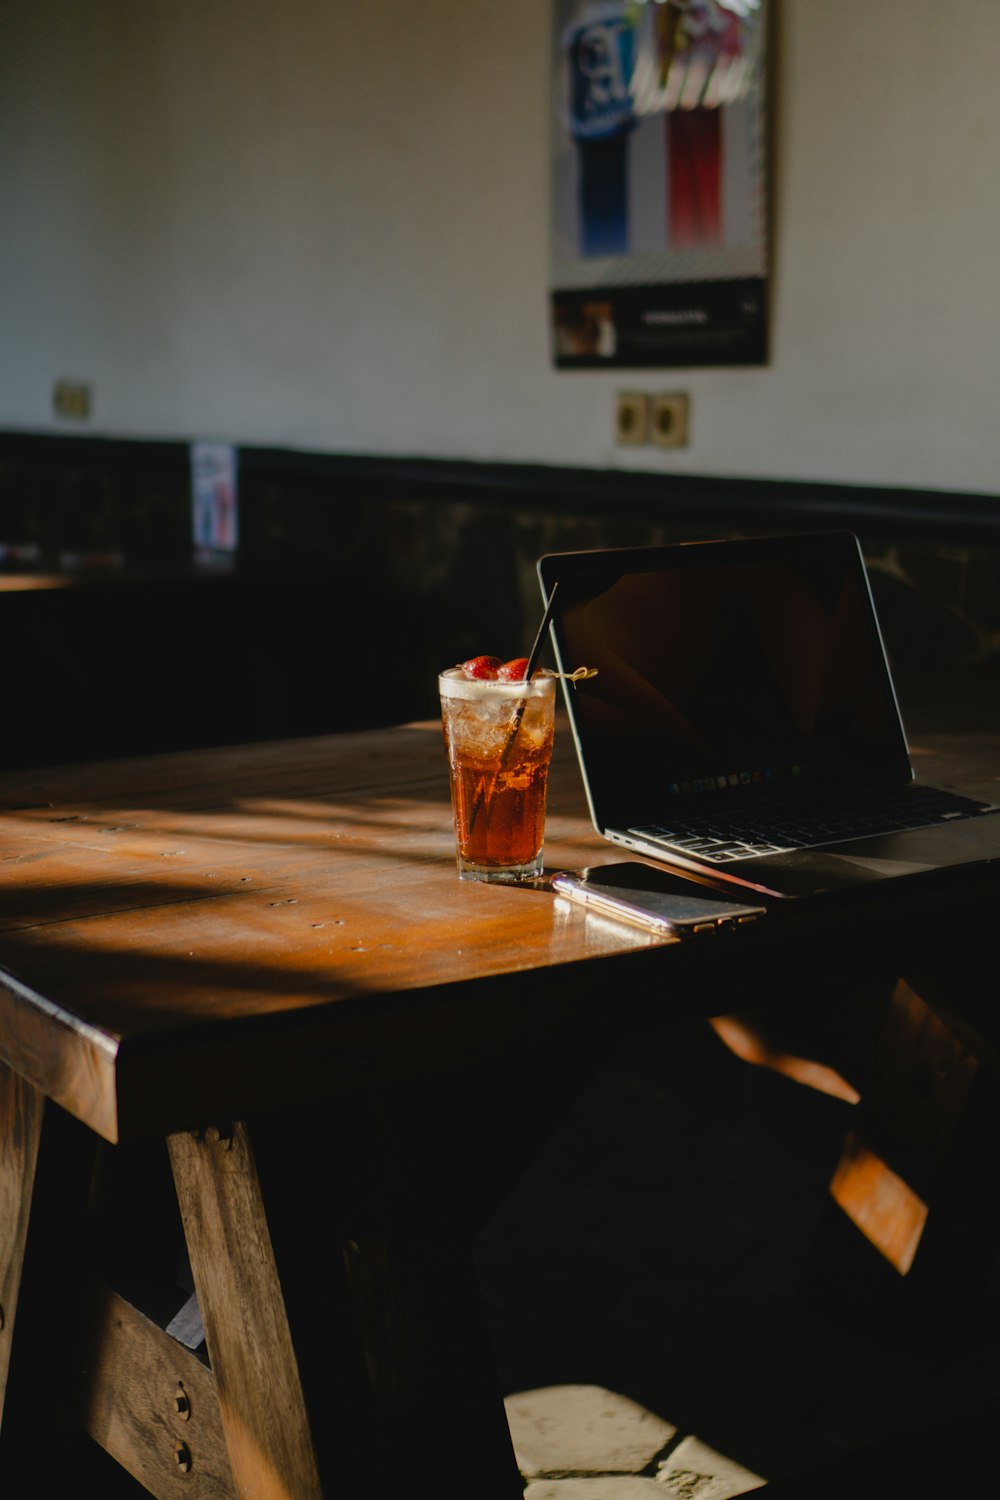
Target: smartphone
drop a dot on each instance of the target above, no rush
(654, 899)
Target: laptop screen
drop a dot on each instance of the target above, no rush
(726, 672)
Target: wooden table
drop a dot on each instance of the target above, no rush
(258, 1040)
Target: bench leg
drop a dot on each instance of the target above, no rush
(895, 1161)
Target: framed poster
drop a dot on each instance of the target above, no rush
(659, 188)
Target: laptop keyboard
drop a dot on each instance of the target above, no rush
(807, 825)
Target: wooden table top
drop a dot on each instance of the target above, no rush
(187, 936)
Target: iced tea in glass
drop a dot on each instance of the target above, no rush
(498, 735)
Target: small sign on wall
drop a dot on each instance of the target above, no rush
(214, 498)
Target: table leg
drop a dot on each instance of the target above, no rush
(263, 1410)
(46, 1167)
(21, 1110)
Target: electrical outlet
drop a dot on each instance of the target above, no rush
(72, 399)
(631, 417)
(670, 418)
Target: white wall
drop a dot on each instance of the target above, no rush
(325, 225)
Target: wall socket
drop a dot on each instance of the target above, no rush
(663, 420)
(631, 417)
(72, 399)
(669, 420)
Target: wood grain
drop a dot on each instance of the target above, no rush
(150, 901)
(246, 1329)
(153, 1406)
(186, 920)
(21, 1109)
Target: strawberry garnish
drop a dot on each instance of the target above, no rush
(514, 670)
(482, 666)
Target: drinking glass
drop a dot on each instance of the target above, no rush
(498, 736)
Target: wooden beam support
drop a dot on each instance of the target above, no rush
(153, 1406)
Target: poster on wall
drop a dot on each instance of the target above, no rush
(659, 188)
(214, 497)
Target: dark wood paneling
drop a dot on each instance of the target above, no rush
(354, 569)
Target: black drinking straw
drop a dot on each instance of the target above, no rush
(534, 654)
(536, 649)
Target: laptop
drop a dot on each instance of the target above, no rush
(742, 726)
